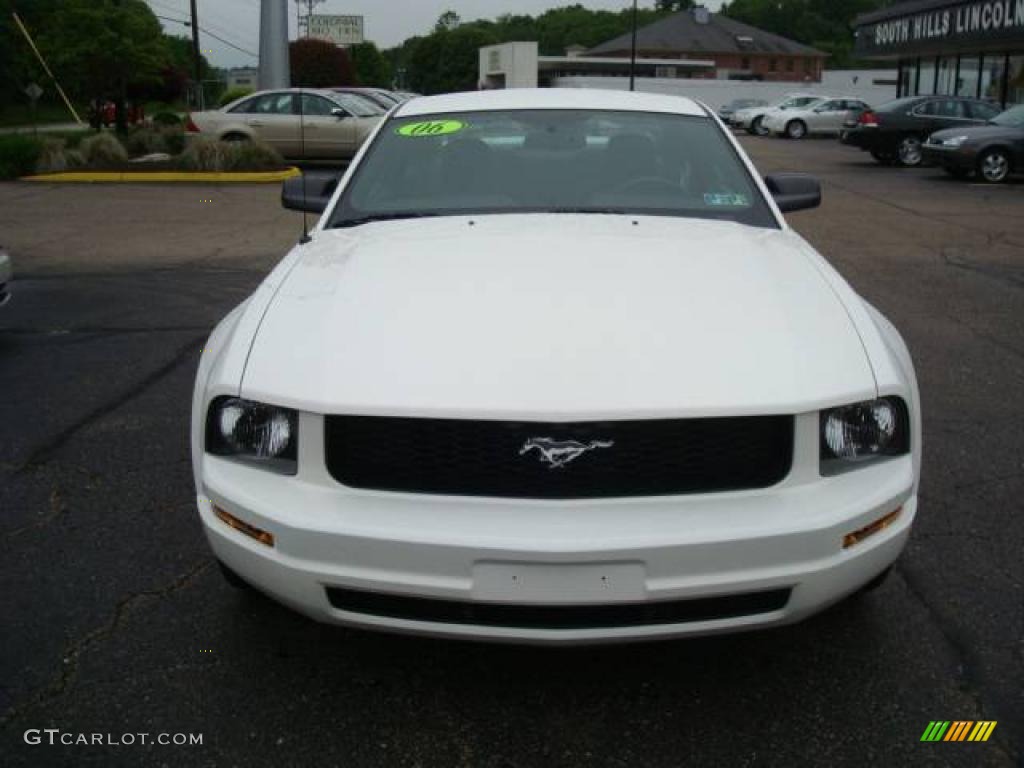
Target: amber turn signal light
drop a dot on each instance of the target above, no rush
(869, 530)
(243, 527)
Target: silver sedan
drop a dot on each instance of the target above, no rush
(300, 123)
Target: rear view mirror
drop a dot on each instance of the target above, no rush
(339, 113)
(794, 191)
(309, 192)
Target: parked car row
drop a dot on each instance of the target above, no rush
(300, 123)
(962, 135)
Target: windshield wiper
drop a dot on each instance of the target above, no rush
(344, 223)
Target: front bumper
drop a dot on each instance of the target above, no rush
(955, 158)
(574, 554)
(866, 139)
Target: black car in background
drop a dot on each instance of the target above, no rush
(993, 151)
(726, 111)
(895, 132)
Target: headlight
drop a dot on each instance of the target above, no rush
(956, 141)
(862, 431)
(264, 434)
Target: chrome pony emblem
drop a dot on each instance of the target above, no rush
(558, 453)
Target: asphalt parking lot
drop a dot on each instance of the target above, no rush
(116, 620)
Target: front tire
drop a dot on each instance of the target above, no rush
(235, 138)
(909, 152)
(757, 127)
(796, 129)
(994, 166)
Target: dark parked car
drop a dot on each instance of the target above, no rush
(895, 132)
(994, 150)
(728, 110)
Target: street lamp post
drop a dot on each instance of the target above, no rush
(196, 56)
(632, 54)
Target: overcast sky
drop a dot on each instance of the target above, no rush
(387, 22)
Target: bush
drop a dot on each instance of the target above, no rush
(166, 119)
(233, 94)
(74, 159)
(104, 151)
(145, 140)
(203, 154)
(253, 156)
(206, 154)
(52, 158)
(18, 155)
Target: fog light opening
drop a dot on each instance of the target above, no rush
(263, 537)
(880, 524)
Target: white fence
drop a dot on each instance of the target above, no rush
(875, 86)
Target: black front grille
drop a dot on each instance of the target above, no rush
(558, 616)
(496, 458)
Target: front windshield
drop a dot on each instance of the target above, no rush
(1014, 116)
(357, 105)
(552, 161)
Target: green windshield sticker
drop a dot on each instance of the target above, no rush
(431, 128)
(734, 199)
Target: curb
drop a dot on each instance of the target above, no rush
(134, 177)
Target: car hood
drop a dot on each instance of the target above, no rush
(979, 132)
(556, 317)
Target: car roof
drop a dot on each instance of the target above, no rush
(549, 98)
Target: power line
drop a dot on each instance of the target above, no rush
(211, 34)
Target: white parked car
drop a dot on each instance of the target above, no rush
(6, 275)
(300, 123)
(825, 116)
(552, 367)
(751, 119)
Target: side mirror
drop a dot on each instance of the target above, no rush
(308, 192)
(339, 113)
(794, 191)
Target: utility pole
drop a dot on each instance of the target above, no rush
(197, 57)
(632, 54)
(274, 68)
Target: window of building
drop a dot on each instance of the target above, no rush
(946, 82)
(808, 66)
(1015, 80)
(745, 62)
(926, 78)
(993, 69)
(773, 65)
(968, 76)
(908, 74)
(789, 65)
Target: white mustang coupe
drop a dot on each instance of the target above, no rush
(553, 368)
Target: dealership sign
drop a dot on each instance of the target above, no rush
(988, 20)
(340, 30)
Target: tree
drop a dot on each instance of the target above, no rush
(448, 61)
(98, 48)
(824, 24)
(672, 6)
(371, 68)
(319, 64)
(447, 21)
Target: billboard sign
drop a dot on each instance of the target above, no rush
(340, 30)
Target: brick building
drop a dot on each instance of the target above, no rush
(739, 51)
